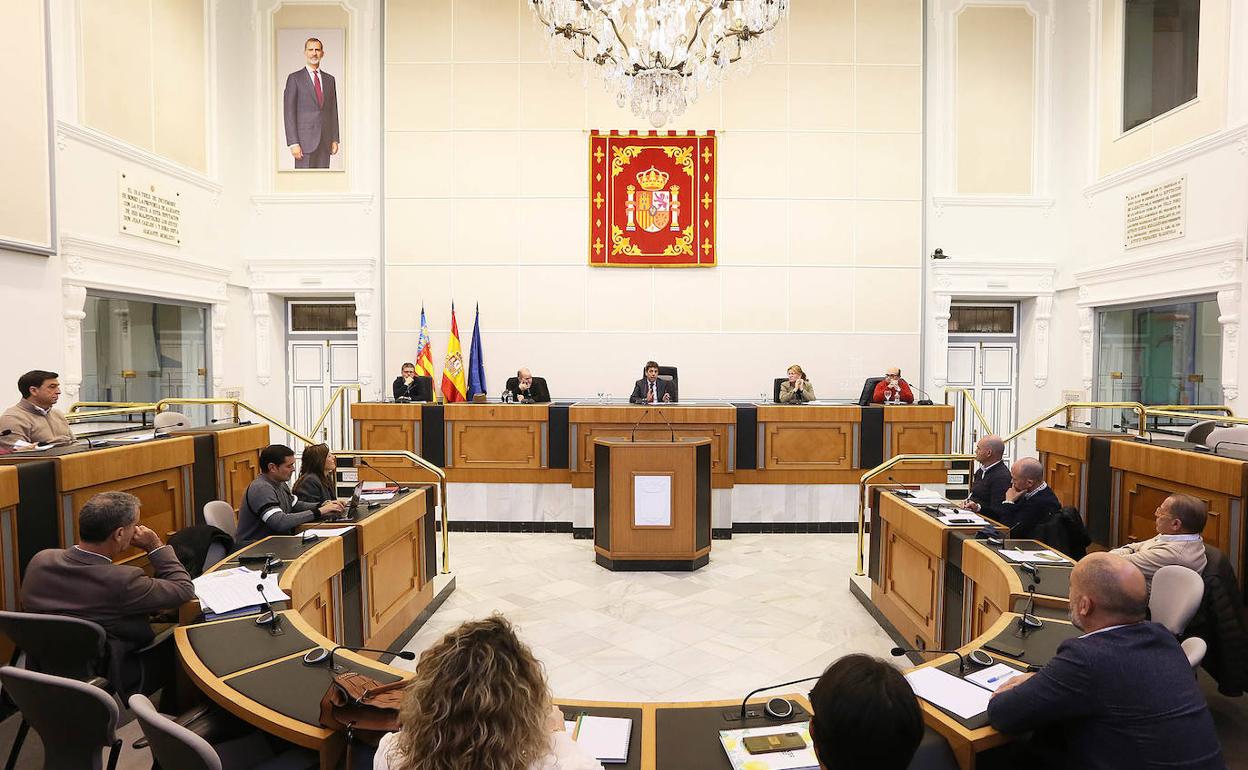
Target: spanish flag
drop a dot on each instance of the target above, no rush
(453, 386)
(424, 348)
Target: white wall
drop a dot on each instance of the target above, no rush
(820, 230)
(1074, 221)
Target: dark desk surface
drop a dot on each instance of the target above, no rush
(634, 739)
(237, 644)
(1039, 645)
(688, 738)
(294, 690)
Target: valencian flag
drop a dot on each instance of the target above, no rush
(652, 199)
(424, 349)
(453, 386)
(476, 360)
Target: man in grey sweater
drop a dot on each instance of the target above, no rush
(269, 507)
(1180, 520)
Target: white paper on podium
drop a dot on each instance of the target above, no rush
(652, 501)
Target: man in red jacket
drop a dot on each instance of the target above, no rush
(892, 389)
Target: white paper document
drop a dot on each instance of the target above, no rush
(924, 496)
(993, 677)
(652, 501)
(606, 738)
(954, 695)
(376, 497)
(1046, 556)
(231, 589)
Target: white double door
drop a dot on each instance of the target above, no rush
(316, 368)
(990, 371)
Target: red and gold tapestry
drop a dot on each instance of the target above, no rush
(652, 199)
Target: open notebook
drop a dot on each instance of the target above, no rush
(604, 737)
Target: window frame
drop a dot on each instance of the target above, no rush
(1119, 131)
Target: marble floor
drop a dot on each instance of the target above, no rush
(768, 608)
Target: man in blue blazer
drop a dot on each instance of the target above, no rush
(1122, 695)
(310, 109)
(991, 481)
(650, 389)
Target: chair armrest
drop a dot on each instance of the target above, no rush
(100, 682)
(157, 640)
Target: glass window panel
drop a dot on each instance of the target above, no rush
(981, 319)
(322, 317)
(135, 350)
(1162, 354)
(1160, 57)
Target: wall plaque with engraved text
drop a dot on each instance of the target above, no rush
(1156, 214)
(148, 210)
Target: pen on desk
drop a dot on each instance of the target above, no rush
(576, 731)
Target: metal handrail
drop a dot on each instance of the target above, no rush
(966, 394)
(236, 403)
(1191, 408)
(83, 416)
(338, 392)
(423, 463)
(108, 405)
(877, 470)
(1167, 412)
(1138, 407)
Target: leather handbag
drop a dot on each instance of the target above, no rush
(365, 708)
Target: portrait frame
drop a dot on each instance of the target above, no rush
(288, 59)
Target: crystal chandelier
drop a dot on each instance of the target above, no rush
(658, 55)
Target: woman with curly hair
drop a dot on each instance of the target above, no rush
(479, 701)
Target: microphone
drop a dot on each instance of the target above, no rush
(366, 464)
(926, 400)
(1030, 569)
(1028, 621)
(634, 432)
(320, 654)
(735, 716)
(269, 617)
(1220, 443)
(897, 652)
(669, 424)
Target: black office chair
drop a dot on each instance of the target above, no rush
(868, 390)
(75, 720)
(669, 373)
(775, 390)
(933, 753)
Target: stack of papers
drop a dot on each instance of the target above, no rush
(963, 519)
(606, 738)
(957, 696)
(231, 589)
(373, 497)
(330, 531)
(801, 759)
(1046, 556)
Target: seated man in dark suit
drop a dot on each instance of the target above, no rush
(82, 581)
(1122, 695)
(991, 480)
(408, 385)
(524, 389)
(1028, 500)
(864, 716)
(650, 389)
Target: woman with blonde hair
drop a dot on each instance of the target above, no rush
(317, 483)
(479, 701)
(796, 389)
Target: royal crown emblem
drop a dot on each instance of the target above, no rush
(653, 208)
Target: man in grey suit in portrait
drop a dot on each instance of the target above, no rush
(310, 109)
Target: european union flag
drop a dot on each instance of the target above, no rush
(476, 360)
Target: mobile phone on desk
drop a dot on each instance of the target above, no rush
(1005, 648)
(765, 744)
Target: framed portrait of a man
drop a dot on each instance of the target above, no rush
(310, 65)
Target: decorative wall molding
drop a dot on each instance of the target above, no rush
(260, 201)
(1237, 136)
(992, 280)
(1087, 325)
(118, 266)
(73, 311)
(1211, 268)
(127, 151)
(219, 315)
(355, 277)
(943, 98)
(999, 201)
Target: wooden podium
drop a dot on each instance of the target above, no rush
(652, 504)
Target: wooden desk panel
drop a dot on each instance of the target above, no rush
(677, 539)
(918, 430)
(10, 573)
(313, 582)
(385, 426)
(912, 573)
(238, 460)
(994, 587)
(595, 421)
(392, 565)
(497, 436)
(810, 437)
